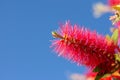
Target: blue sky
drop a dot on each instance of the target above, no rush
(25, 34)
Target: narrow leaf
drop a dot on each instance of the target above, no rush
(106, 75)
(98, 77)
(114, 36)
(117, 57)
(96, 69)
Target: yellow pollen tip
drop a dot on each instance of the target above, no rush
(116, 7)
(56, 35)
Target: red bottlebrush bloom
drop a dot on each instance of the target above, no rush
(82, 46)
(114, 2)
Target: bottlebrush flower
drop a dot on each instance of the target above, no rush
(82, 46)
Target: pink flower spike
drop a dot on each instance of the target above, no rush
(82, 46)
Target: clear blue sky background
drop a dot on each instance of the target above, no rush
(25, 34)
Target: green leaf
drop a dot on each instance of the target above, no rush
(114, 36)
(106, 75)
(96, 69)
(117, 57)
(98, 77)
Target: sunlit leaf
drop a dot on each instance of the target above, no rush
(106, 75)
(114, 36)
(117, 57)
